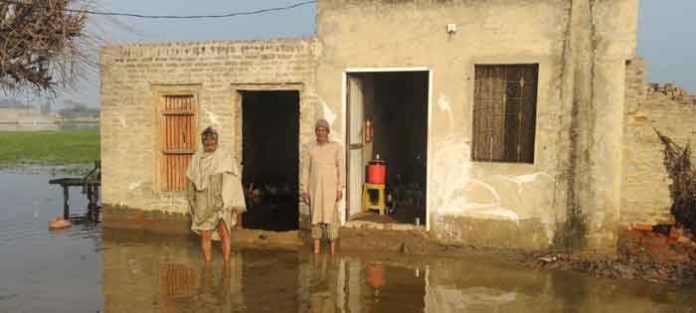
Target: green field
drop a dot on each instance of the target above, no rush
(49, 147)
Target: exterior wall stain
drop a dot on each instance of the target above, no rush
(573, 230)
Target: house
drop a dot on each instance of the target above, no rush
(503, 123)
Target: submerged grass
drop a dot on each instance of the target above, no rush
(49, 147)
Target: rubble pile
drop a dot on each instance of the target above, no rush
(674, 92)
(660, 252)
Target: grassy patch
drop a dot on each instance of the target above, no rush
(49, 147)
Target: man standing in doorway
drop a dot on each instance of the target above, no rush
(321, 184)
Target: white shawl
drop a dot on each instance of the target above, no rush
(204, 164)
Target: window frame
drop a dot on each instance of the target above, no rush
(532, 102)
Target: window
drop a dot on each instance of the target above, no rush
(177, 139)
(505, 113)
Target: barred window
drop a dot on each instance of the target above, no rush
(505, 113)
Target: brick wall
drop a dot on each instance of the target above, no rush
(133, 78)
(669, 109)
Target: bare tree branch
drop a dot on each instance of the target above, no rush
(677, 162)
(42, 46)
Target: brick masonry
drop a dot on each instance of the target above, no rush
(134, 77)
(669, 109)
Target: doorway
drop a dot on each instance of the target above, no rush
(270, 159)
(387, 116)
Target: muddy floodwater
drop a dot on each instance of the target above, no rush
(87, 269)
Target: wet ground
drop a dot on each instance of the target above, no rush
(87, 269)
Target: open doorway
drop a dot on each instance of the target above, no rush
(388, 118)
(270, 156)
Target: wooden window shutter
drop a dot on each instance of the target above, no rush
(177, 135)
(489, 113)
(504, 113)
(520, 113)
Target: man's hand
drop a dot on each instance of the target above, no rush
(339, 195)
(305, 197)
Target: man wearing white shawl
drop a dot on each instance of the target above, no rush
(215, 195)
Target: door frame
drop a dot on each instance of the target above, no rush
(346, 121)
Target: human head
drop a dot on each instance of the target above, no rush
(209, 138)
(322, 130)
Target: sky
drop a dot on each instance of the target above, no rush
(666, 36)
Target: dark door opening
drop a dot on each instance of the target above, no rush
(396, 106)
(270, 143)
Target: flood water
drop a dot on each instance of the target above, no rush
(87, 269)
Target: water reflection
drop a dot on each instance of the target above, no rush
(167, 275)
(86, 269)
(183, 287)
(149, 271)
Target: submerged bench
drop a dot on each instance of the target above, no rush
(90, 184)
